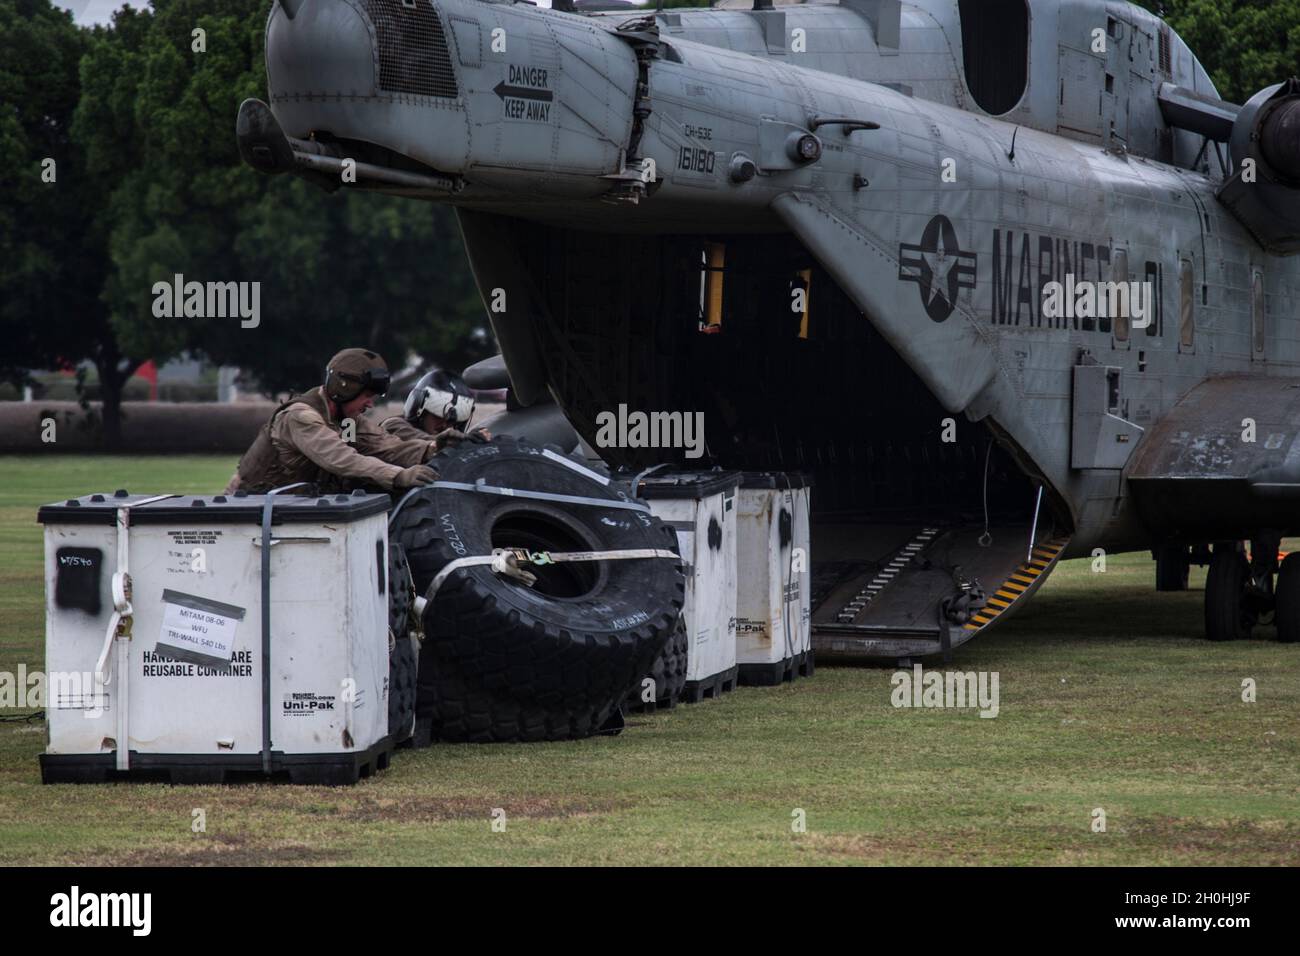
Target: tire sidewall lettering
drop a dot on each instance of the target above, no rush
(454, 540)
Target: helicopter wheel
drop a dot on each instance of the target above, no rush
(1288, 600)
(1228, 614)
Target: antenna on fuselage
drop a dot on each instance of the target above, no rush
(1012, 155)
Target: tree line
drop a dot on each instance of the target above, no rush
(121, 171)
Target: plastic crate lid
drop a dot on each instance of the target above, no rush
(775, 479)
(213, 509)
(688, 484)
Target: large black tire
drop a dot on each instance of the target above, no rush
(400, 588)
(503, 661)
(403, 672)
(1227, 618)
(1288, 599)
(403, 655)
(668, 671)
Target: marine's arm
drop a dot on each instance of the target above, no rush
(394, 447)
(399, 427)
(451, 437)
(306, 431)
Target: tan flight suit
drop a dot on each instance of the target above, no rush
(303, 442)
(399, 427)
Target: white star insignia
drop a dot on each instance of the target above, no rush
(940, 264)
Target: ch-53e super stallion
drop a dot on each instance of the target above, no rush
(1007, 277)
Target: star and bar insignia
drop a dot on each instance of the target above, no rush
(938, 266)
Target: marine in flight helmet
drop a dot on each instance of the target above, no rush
(354, 371)
(442, 394)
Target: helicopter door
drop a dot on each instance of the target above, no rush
(1079, 109)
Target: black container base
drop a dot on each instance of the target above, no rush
(330, 770)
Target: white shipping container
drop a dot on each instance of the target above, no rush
(701, 508)
(773, 557)
(191, 674)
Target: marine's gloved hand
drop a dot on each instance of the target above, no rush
(449, 436)
(414, 477)
(480, 435)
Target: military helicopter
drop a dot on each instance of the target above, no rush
(882, 242)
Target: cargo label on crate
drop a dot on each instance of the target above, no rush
(304, 704)
(161, 664)
(198, 629)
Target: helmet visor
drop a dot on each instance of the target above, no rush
(376, 380)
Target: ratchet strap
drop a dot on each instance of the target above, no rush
(506, 561)
(482, 487)
(122, 619)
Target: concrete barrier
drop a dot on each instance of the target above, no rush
(147, 427)
(176, 428)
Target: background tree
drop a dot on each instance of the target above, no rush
(1245, 45)
(334, 269)
(150, 185)
(54, 220)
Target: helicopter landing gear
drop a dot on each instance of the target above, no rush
(1226, 615)
(1288, 600)
(1239, 593)
(1173, 562)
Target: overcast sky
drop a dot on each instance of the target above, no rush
(94, 11)
(101, 11)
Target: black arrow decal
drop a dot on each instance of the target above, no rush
(504, 89)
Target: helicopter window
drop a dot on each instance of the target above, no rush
(713, 264)
(995, 52)
(1120, 301)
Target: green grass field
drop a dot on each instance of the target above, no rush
(1110, 698)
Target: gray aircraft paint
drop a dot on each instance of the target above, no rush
(723, 85)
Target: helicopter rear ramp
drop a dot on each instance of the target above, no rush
(895, 592)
